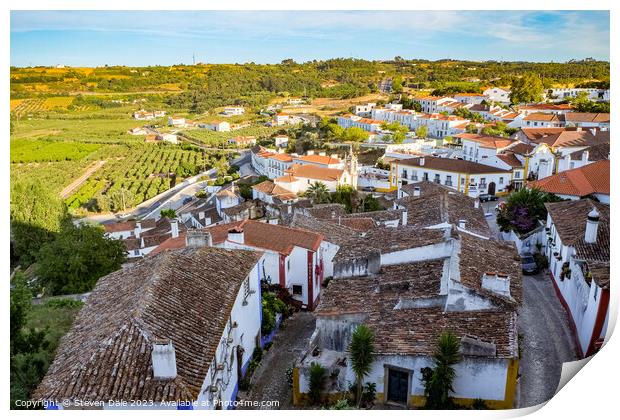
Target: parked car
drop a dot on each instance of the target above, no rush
(369, 189)
(528, 264)
(187, 200)
(487, 197)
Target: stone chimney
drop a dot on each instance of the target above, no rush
(198, 239)
(416, 191)
(422, 160)
(592, 227)
(174, 228)
(236, 235)
(164, 360)
(138, 229)
(462, 223)
(477, 203)
(404, 222)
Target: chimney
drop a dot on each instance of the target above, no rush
(416, 191)
(310, 153)
(333, 214)
(236, 235)
(198, 238)
(585, 156)
(592, 227)
(273, 221)
(497, 283)
(477, 203)
(164, 361)
(174, 228)
(404, 222)
(138, 229)
(462, 223)
(422, 161)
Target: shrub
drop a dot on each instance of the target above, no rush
(318, 377)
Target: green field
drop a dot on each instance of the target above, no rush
(26, 151)
(220, 139)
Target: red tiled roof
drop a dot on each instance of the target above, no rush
(487, 141)
(324, 160)
(452, 165)
(580, 182)
(316, 172)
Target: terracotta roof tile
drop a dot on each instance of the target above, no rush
(452, 165)
(589, 179)
(184, 296)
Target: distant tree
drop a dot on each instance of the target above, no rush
(526, 89)
(318, 193)
(77, 258)
(362, 351)
(397, 84)
(36, 216)
(438, 382)
(399, 132)
(422, 131)
(354, 134)
(221, 166)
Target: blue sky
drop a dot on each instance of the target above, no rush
(134, 38)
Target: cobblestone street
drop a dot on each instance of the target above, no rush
(269, 380)
(547, 340)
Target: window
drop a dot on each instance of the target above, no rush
(425, 177)
(501, 180)
(462, 181)
(297, 289)
(595, 292)
(448, 179)
(572, 165)
(437, 179)
(288, 265)
(517, 174)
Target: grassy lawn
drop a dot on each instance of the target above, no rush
(55, 318)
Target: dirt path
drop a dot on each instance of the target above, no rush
(269, 380)
(75, 184)
(547, 340)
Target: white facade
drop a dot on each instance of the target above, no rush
(359, 122)
(234, 110)
(499, 95)
(560, 94)
(176, 121)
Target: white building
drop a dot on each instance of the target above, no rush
(430, 104)
(233, 110)
(281, 140)
(496, 94)
(407, 301)
(590, 180)
(217, 126)
(182, 333)
(576, 243)
(561, 94)
(470, 178)
(470, 98)
(367, 124)
(364, 110)
(176, 121)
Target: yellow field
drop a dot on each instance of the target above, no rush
(57, 102)
(15, 103)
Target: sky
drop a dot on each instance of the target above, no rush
(139, 38)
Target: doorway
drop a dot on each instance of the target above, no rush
(492, 188)
(398, 386)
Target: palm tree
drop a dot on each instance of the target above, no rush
(439, 382)
(361, 349)
(318, 192)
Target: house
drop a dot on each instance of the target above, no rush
(300, 176)
(552, 146)
(470, 98)
(585, 156)
(168, 137)
(198, 213)
(227, 198)
(366, 124)
(542, 119)
(222, 126)
(545, 108)
(176, 121)
(577, 247)
(470, 178)
(270, 193)
(281, 140)
(364, 110)
(143, 115)
(573, 184)
(587, 120)
(137, 131)
(430, 104)
(561, 94)
(243, 141)
(497, 94)
(142, 241)
(455, 282)
(320, 159)
(270, 163)
(177, 329)
(293, 258)
(295, 101)
(129, 228)
(233, 110)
